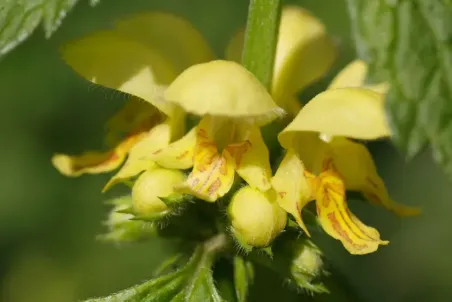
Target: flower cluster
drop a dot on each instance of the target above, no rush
(172, 77)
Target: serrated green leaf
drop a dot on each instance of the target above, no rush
(409, 43)
(19, 18)
(191, 282)
(243, 277)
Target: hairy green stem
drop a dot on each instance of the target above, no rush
(261, 37)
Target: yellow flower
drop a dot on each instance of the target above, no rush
(233, 105)
(141, 56)
(304, 54)
(318, 141)
(228, 137)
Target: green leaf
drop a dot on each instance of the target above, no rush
(243, 277)
(409, 43)
(192, 282)
(19, 18)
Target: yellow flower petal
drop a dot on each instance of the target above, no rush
(380, 88)
(173, 36)
(223, 88)
(310, 149)
(179, 154)
(337, 220)
(133, 114)
(304, 53)
(111, 60)
(139, 158)
(94, 162)
(213, 173)
(292, 187)
(351, 112)
(252, 158)
(356, 166)
(354, 75)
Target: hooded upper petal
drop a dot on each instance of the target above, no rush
(111, 60)
(304, 53)
(354, 75)
(350, 112)
(139, 57)
(225, 89)
(180, 42)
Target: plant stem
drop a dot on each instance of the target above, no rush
(261, 37)
(216, 243)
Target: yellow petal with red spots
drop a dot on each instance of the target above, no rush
(337, 220)
(252, 158)
(356, 166)
(292, 187)
(94, 162)
(177, 155)
(139, 159)
(213, 173)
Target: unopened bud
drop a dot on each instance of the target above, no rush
(121, 227)
(307, 266)
(256, 217)
(153, 186)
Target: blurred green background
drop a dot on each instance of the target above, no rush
(48, 223)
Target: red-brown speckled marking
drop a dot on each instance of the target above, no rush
(373, 197)
(328, 164)
(238, 150)
(214, 186)
(223, 168)
(326, 197)
(338, 228)
(372, 183)
(282, 194)
(182, 155)
(193, 181)
(202, 133)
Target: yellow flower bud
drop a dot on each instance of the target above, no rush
(150, 186)
(256, 216)
(307, 260)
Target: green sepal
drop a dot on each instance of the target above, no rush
(152, 217)
(240, 242)
(243, 277)
(128, 210)
(177, 199)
